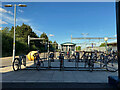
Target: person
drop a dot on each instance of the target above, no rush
(67, 53)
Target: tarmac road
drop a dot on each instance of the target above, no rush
(6, 61)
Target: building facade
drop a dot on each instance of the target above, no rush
(68, 46)
(112, 45)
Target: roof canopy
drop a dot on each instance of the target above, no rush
(68, 43)
(112, 43)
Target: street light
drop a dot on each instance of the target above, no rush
(22, 5)
(106, 39)
(10, 5)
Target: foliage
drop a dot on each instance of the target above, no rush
(78, 48)
(102, 45)
(21, 34)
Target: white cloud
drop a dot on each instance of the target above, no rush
(115, 35)
(3, 22)
(10, 12)
(51, 35)
(19, 20)
(23, 20)
(38, 32)
(0, 28)
(10, 19)
(5, 11)
(21, 11)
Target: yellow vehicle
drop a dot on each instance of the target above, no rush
(30, 55)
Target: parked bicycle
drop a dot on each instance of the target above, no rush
(18, 62)
(38, 61)
(109, 62)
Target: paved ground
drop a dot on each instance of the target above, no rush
(39, 86)
(8, 75)
(7, 61)
(31, 78)
(57, 76)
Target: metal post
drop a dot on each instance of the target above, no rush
(14, 32)
(106, 45)
(29, 42)
(48, 56)
(44, 50)
(75, 48)
(92, 45)
(55, 51)
(71, 38)
(118, 34)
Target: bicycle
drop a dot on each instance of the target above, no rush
(61, 58)
(109, 62)
(72, 58)
(38, 61)
(91, 61)
(90, 58)
(18, 62)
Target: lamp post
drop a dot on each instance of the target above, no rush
(106, 39)
(15, 5)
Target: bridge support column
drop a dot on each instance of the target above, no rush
(118, 34)
(115, 80)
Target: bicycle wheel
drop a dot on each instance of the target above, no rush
(72, 58)
(112, 65)
(16, 64)
(91, 65)
(42, 64)
(38, 65)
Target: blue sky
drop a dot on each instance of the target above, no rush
(64, 19)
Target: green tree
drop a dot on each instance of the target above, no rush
(7, 42)
(44, 35)
(102, 45)
(43, 43)
(78, 48)
(55, 45)
(22, 32)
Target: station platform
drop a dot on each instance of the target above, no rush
(55, 78)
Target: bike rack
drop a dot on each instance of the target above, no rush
(78, 66)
